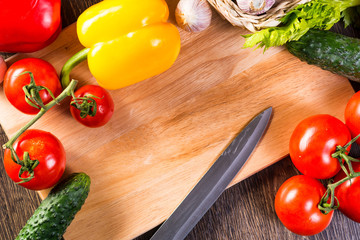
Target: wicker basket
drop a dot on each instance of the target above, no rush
(230, 11)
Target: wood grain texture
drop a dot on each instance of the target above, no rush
(17, 204)
(220, 223)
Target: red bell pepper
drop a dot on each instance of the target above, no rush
(28, 25)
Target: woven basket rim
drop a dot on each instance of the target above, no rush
(232, 13)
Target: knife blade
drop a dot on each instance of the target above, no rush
(214, 182)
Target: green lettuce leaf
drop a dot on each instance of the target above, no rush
(318, 14)
(351, 16)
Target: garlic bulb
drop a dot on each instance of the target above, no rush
(255, 7)
(193, 15)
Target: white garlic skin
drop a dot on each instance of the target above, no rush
(193, 15)
(255, 7)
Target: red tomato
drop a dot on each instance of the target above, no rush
(44, 147)
(296, 205)
(348, 194)
(352, 115)
(3, 69)
(312, 143)
(44, 75)
(104, 102)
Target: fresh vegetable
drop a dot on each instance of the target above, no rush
(317, 14)
(329, 201)
(351, 16)
(193, 15)
(319, 148)
(352, 115)
(51, 219)
(348, 194)
(296, 205)
(330, 51)
(313, 142)
(255, 7)
(18, 158)
(28, 25)
(126, 42)
(3, 69)
(95, 112)
(41, 160)
(41, 80)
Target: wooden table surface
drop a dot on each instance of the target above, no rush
(244, 211)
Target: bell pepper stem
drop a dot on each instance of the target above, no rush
(70, 64)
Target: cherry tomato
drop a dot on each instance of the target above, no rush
(313, 142)
(296, 205)
(104, 106)
(352, 115)
(41, 146)
(44, 75)
(348, 194)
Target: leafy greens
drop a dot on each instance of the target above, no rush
(318, 14)
(351, 16)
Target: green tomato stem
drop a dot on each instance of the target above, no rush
(326, 207)
(28, 165)
(348, 162)
(65, 93)
(70, 64)
(340, 154)
(86, 105)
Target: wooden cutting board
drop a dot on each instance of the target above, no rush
(168, 130)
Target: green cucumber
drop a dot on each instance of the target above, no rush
(330, 51)
(51, 219)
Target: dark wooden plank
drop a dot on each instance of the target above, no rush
(71, 10)
(17, 203)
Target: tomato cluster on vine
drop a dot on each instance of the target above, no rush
(319, 147)
(33, 158)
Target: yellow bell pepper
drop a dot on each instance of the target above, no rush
(126, 41)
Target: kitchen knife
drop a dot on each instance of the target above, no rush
(214, 182)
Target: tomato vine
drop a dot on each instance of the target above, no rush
(340, 154)
(27, 164)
